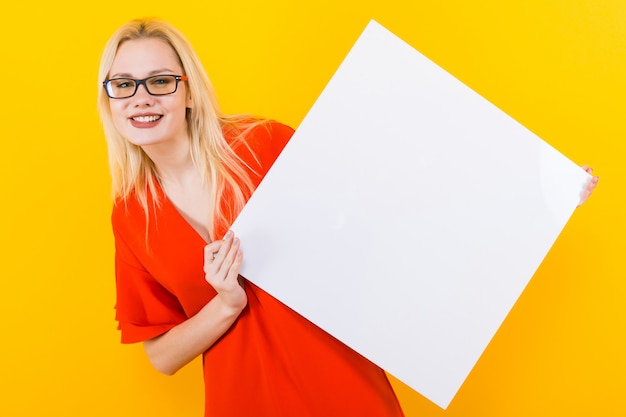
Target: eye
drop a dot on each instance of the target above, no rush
(161, 80)
(122, 84)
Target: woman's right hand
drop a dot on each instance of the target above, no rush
(175, 348)
(222, 260)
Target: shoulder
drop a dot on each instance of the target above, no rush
(258, 133)
(269, 138)
(272, 130)
(128, 216)
(124, 215)
(260, 143)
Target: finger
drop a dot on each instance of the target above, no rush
(220, 268)
(213, 258)
(591, 185)
(224, 248)
(228, 264)
(210, 253)
(211, 250)
(233, 273)
(587, 169)
(238, 259)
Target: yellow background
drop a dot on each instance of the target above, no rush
(557, 66)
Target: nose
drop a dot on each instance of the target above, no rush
(141, 95)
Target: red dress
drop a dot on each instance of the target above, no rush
(272, 362)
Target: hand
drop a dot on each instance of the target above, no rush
(222, 260)
(590, 185)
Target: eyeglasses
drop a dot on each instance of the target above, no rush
(157, 85)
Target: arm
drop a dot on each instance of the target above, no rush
(172, 350)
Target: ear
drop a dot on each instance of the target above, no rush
(189, 103)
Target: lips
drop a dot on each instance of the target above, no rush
(145, 120)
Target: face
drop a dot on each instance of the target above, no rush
(144, 119)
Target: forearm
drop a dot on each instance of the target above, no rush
(171, 351)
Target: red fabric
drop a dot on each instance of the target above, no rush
(271, 362)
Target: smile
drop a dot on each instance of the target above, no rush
(146, 119)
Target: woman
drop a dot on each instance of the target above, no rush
(181, 173)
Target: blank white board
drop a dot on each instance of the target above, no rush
(406, 215)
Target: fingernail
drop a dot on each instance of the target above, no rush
(228, 235)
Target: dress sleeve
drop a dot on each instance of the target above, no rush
(144, 308)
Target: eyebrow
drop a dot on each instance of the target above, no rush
(151, 73)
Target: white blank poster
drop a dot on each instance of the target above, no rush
(406, 215)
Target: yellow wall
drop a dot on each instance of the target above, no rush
(557, 66)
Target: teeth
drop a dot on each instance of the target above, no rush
(146, 118)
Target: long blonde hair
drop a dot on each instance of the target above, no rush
(134, 174)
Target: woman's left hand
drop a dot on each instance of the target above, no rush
(590, 185)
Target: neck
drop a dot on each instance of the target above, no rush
(172, 161)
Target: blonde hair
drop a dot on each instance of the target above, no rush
(134, 174)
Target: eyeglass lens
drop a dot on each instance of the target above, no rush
(156, 85)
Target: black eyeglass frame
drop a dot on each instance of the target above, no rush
(178, 79)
